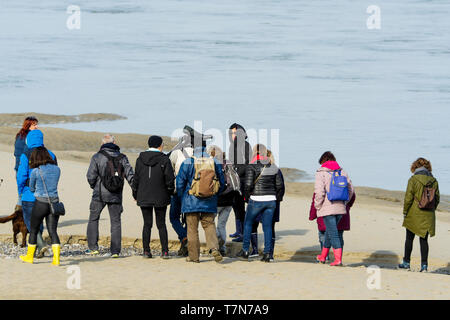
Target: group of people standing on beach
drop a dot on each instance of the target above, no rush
(201, 182)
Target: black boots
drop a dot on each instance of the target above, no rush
(243, 255)
(266, 257)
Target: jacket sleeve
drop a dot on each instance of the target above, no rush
(352, 200)
(129, 173)
(248, 181)
(181, 181)
(319, 190)
(92, 173)
(409, 197)
(312, 210)
(220, 175)
(33, 180)
(135, 185)
(280, 185)
(169, 176)
(22, 174)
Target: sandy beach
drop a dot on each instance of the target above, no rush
(376, 238)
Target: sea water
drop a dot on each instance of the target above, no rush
(377, 98)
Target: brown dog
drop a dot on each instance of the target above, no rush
(18, 225)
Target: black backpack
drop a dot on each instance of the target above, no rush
(113, 177)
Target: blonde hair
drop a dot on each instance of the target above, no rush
(270, 156)
(215, 152)
(421, 162)
(260, 149)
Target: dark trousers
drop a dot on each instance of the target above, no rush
(409, 246)
(115, 211)
(27, 209)
(239, 210)
(160, 214)
(41, 211)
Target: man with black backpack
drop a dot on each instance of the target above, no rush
(106, 175)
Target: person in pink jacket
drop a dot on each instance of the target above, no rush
(331, 211)
(344, 224)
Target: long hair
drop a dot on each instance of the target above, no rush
(27, 123)
(260, 149)
(421, 162)
(39, 157)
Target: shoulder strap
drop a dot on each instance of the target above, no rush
(256, 181)
(46, 190)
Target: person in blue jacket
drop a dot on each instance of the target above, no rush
(199, 209)
(34, 139)
(20, 145)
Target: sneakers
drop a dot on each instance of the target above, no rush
(115, 256)
(223, 252)
(238, 239)
(165, 255)
(254, 254)
(235, 235)
(424, 268)
(217, 256)
(404, 265)
(90, 252)
(243, 255)
(147, 255)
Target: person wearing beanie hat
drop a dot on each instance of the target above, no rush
(153, 186)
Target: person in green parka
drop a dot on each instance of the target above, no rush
(420, 222)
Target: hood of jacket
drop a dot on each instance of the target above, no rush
(423, 176)
(110, 147)
(330, 165)
(151, 158)
(35, 138)
(240, 132)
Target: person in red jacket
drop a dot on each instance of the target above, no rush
(343, 225)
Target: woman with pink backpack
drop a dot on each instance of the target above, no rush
(333, 190)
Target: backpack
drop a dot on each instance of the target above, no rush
(428, 199)
(338, 187)
(232, 179)
(113, 177)
(205, 183)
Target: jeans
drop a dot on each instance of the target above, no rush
(332, 238)
(41, 211)
(160, 214)
(27, 208)
(115, 211)
(223, 213)
(322, 238)
(267, 209)
(174, 217)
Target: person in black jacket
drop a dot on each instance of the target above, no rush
(262, 186)
(102, 196)
(153, 185)
(240, 153)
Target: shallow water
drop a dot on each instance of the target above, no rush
(377, 98)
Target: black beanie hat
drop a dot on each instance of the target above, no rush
(155, 141)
